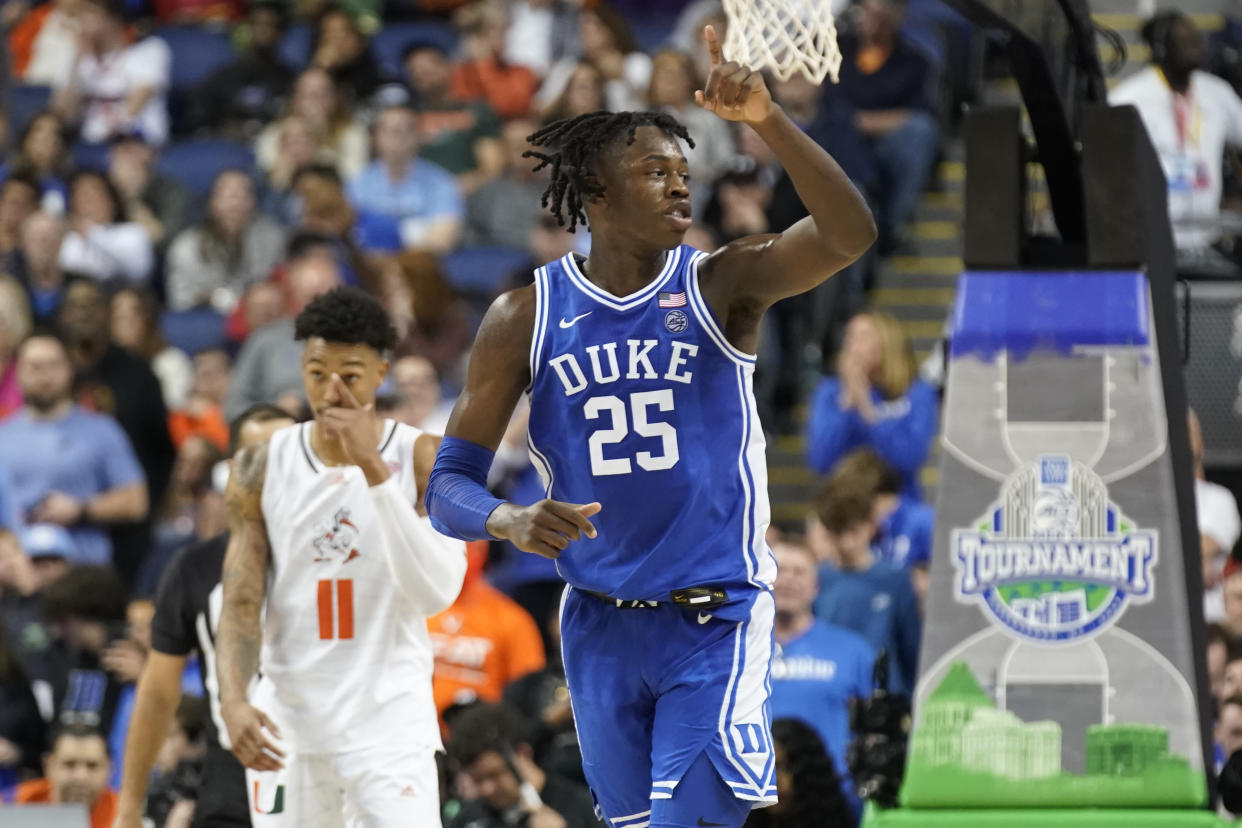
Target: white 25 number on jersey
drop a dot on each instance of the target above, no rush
(622, 418)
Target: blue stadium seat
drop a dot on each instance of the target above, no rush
(90, 156)
(196, 53)
(24, 103)
(482, 270)
(928, 38)
(652, 34)
(295, 46)
(196, 163)
(390, 42)
(377, 233)
(193, 330)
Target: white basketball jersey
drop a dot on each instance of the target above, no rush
(346, 661)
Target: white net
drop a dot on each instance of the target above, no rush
(785, 36)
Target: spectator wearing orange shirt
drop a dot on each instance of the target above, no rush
(482, 642)
(508, 88)
(203, 412)
(42, 44)
(77, 773)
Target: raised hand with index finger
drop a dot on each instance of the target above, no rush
(733, 91)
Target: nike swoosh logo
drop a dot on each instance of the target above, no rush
(571, 322)
(710, 824)
(703, 619)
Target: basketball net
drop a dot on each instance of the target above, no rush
(785, 36)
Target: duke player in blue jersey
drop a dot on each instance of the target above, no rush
(638, 362)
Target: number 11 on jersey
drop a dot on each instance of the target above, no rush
(336, 616)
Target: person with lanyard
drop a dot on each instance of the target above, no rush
(1190, 117)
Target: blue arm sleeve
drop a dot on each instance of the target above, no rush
(832, 431)
(457, 500)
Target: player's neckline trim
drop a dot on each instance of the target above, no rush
(671, 259)
(317, 465)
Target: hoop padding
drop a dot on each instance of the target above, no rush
(785, 36)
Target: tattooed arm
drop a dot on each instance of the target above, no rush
(237, 644)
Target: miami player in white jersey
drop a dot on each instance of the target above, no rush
(329, 576)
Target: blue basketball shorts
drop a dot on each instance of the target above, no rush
(655, 688)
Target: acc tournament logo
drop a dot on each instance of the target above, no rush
(1054, 560)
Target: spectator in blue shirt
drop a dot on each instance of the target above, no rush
(817, 668)
(70, 466)
(862, 594)
(37, 264)
(875, 401)
(421, 195)
(903, 535)
(893, 86)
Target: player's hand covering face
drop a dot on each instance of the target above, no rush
(345, 420)
(734, 92)
(340, 382)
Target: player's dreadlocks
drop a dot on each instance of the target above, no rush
(574, 144)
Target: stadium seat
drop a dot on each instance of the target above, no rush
(24, 103)
(196, 53)
(295, 46)
(482, 270)
(377, 233)
(90, 156)
(196, 163)
(390, 42)
(652, 34)
(193, 330)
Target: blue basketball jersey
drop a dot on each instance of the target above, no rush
(641, 403)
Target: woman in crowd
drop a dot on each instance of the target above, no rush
(178, 520)
(102, 243)
(19, 198)
(433, 321)
(42, 152)
(606, 41)
(876, 400)
(297, 148)
(808, 787)
(584, 92)
(134, 324)
(341, 50)
(213, 263)
(673, 81)
(339, 140)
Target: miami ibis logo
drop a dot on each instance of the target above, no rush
(1053, 559)
(337, 538)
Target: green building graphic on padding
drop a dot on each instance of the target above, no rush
(965, 752)
(1125, 749)
(961, 726)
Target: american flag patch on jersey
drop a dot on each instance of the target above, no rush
(672, 300)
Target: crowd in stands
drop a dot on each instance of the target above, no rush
(183, 176)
